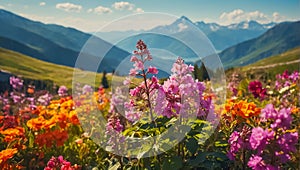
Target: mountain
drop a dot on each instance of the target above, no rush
(54, 43)
(275, 41)
(221, 36)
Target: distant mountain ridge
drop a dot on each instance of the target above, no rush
(221, 36)
(279, 39)
(53, 43)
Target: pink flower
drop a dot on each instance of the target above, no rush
(134, 59)
(152, 70)
(132, 72)
(139, 65)
(132, 116)
(127, 81)
(62, 91)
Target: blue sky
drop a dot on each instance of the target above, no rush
(90, 15)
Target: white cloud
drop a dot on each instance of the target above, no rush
(139, 10)
(239, 15)
(276, 17)
(101, 10)
(2, 7)
(42, 3)
(90, 10)
(123, 6)
(69, 7)
(182, 27)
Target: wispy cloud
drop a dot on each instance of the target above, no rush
(2, 7)
(123, 6)
(69, 7)
(139, 10)
(239, 15)
(42, 3)
(100, 10)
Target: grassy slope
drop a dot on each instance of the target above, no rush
(28, 67)
(290, 55)
(270, 72)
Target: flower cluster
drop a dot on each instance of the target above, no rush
(181, 92)
(278, 135)
(58, 138)
(113, 132)
(7, 154)
(59, 163)
(255, 87)
(16, 83)
(238, 141)
(285, 80)
(62, 91)
(241, 109)
(233, 84)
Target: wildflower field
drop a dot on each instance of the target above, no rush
(129, 128)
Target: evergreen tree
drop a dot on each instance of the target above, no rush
(104, 81)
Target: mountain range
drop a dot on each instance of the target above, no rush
(243, 43)
(53, 43)
(276, 40)
(221, 36)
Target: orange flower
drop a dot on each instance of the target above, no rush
(73, 118)
(30, 90)
(7, 154)
(50, 138)
(36, 123)
(12, 134)
(242, 109)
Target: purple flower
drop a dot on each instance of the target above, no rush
(17, 98)
(86, 89)
(283, 119)
(62, 91)
(45, 99)
(268, 112)
(113, 131)
(294, 76)
(260, 138)
(132, 116)
(16, 82)
(288, 141)
(256, 163)
(235, 141)
(280, 119)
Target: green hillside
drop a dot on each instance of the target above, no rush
(28, 67)
(271, 66)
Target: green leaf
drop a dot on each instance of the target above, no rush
(192, 145)
(221, 144)
(31, 140)
(173, 163)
